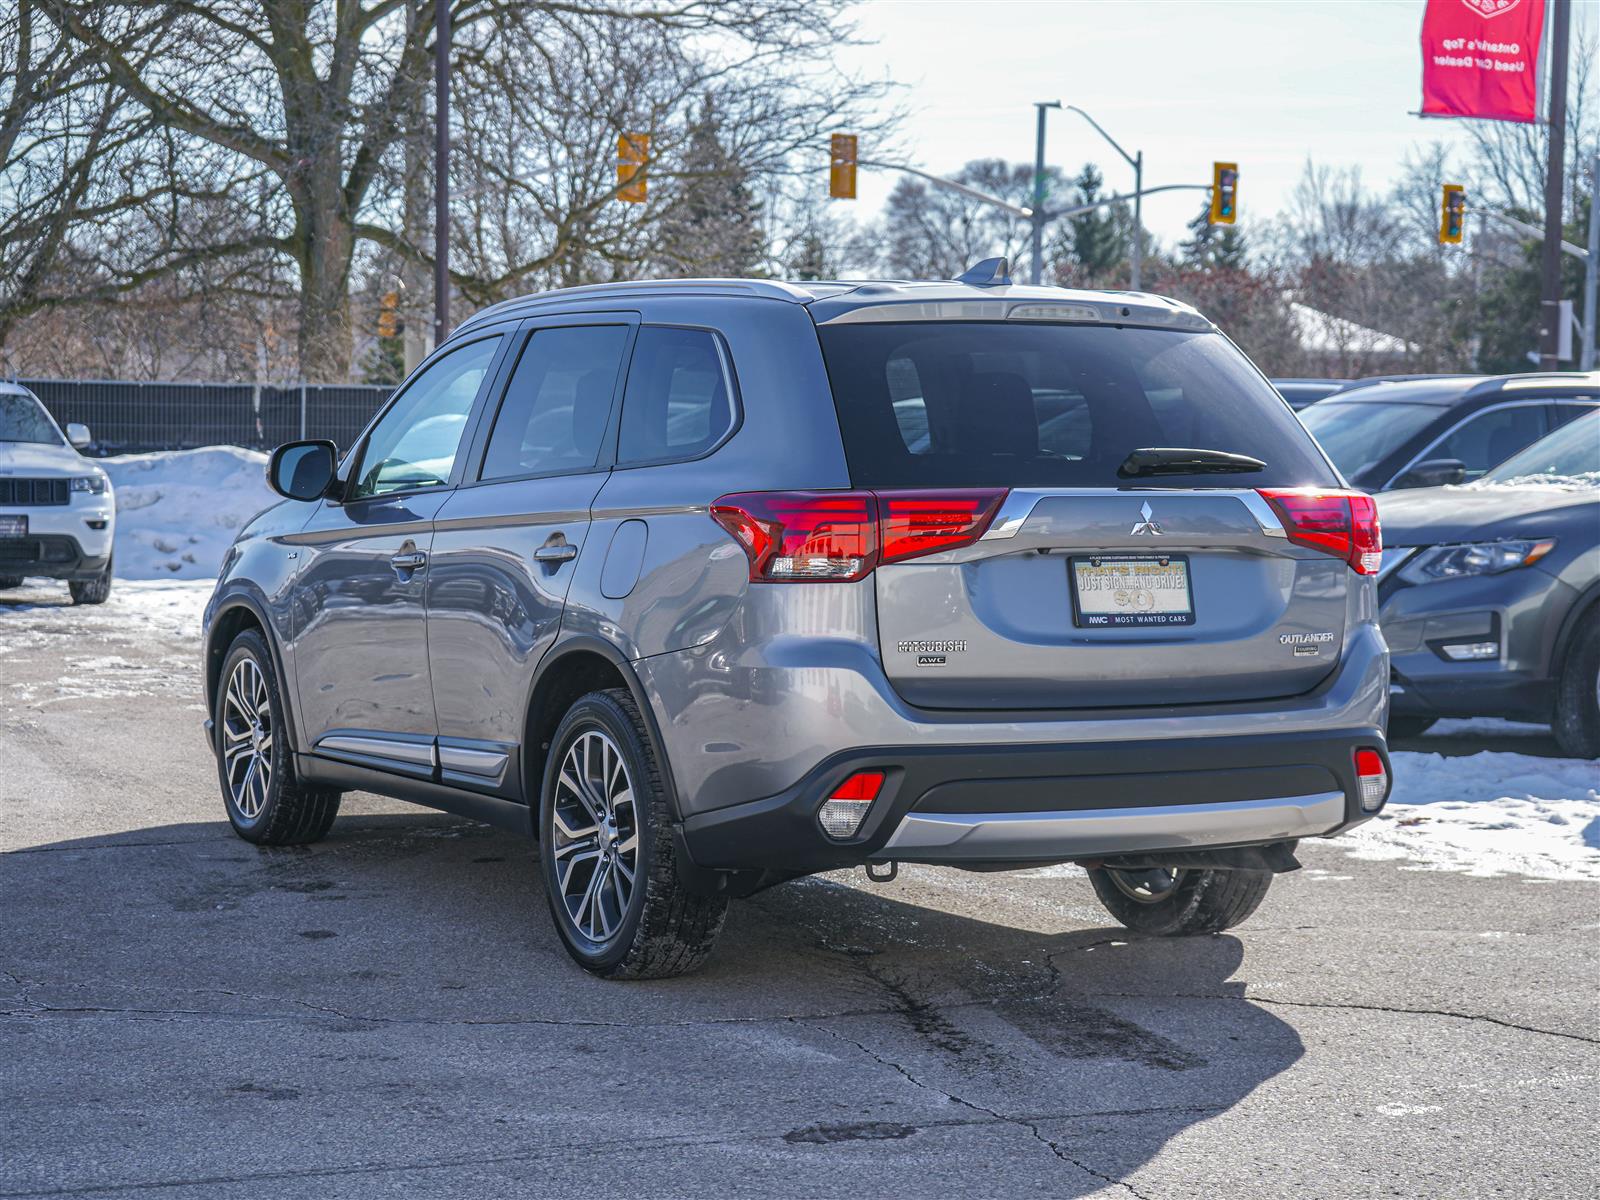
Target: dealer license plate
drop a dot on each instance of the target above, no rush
(1127, 589)
(14, 527)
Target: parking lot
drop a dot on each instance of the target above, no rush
(389, 1012)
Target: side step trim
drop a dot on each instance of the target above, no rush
(1096, 833)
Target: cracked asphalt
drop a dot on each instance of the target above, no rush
(389, 1013)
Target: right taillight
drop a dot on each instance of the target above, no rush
(1344, 524)
(1373, 777)
(837, 537)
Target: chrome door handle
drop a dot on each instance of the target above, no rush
(408, 562)
(558, 553)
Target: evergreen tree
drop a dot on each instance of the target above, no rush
(715, 228)
(1212, 246)
(1099, 239)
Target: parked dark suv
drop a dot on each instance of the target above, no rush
(713, 584)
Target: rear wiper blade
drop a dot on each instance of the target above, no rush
(1178, 460)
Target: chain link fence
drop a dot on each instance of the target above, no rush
(126, 417)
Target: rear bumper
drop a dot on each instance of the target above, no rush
(989, 806)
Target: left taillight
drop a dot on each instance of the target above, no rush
(837, 537)
(1344, 524)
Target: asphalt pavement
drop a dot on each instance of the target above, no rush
(389, 1013)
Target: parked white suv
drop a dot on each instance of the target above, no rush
(57, 516)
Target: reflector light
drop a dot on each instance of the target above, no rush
(1344, 524)
(1374, 779)
(842, 813)
(837, 537)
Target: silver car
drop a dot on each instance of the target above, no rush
(712, 584)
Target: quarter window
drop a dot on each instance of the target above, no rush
(677, 403)
(556, 407)
(414, 444)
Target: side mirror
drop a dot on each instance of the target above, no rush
(1436, 472)
(78, 435)
(302, 470)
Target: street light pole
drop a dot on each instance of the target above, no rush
(1591, 268)
(1136, 161)
(1555, 170)
(441, 171)
(1036, 272)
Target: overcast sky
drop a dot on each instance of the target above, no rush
(1266, 83)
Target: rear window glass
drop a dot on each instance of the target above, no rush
(677, 402)
(949, 404)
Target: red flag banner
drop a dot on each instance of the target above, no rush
(1480, 58)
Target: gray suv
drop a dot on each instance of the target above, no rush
(709, 585)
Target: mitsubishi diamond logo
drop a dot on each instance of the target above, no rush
(1148, 525)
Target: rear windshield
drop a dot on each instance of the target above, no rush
(1358, 434)
(978, 404)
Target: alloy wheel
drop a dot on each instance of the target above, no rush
(247, 738)
(595, 836)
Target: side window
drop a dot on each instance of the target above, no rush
(414, 444)
(676, 404)
(558, 401)
(1492, 437)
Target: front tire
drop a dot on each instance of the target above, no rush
(1180, 903)
(1577, 721)
(605, 844)
(92, 591)
(267, 804)
(10, 581)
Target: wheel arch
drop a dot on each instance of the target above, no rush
(1588, 602)
(574, 667)
(234, 615)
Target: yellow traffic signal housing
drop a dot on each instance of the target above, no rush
(842, 167)
(389, 315)
(1224, 193)
(633, 152)
(1452, 214)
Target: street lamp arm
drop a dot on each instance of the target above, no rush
(1132, 162)
(1015, 210)
(1530, 230)
(1080, 209)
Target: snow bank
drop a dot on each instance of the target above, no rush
(1489, 814)
(177, 511)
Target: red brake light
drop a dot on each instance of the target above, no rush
(1368, 763)
(837, 537)
(916, 523)
(1344, 524)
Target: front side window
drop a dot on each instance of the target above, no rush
(556, 406)
(677, 403)
(994, 404)
(23, 419)
(414, 444)
(1491, 437)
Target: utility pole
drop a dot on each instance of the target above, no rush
(1039, 217)
(1550, 264)
(441, 171)
(1591, 269)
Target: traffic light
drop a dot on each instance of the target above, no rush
(389, 315)
(1224, 193)
(1452, 214)
(633, 152)
(842, 167)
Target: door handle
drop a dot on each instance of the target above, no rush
(558, 552)
(408, 562)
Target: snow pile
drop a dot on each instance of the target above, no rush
(177, 510)
(1489, 814)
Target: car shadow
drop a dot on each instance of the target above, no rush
(898, 1021)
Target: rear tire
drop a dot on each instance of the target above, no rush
(1195, 902)
(1577, 719)
(10, 581)
(91, 591)
(267, 804)
(606, 847)
(1409, 727)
